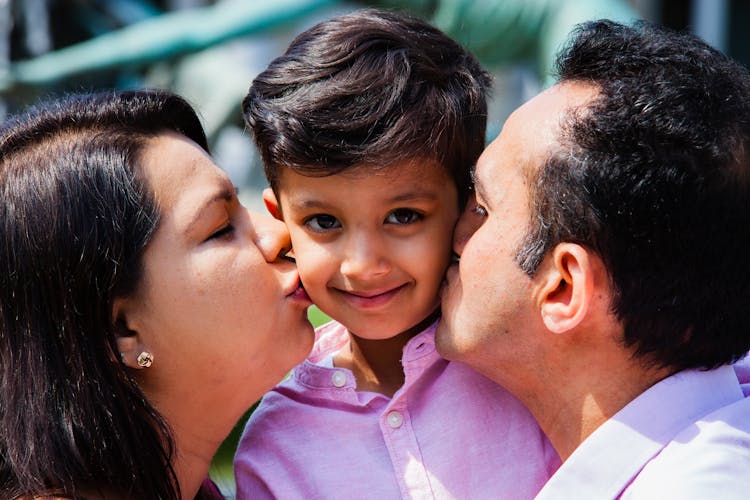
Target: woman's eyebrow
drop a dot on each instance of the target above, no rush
(226, 194)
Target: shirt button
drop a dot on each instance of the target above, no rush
(338, 378)
(395, 419)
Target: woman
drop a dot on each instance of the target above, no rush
(142, 308)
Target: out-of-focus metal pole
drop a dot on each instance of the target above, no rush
(6, 25)
(36, 26)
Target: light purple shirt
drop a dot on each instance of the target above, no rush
(447, 433)
(686, 437)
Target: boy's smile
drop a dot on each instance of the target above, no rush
(371, 243)
(365, 299)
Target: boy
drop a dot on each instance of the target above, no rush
(368, 126)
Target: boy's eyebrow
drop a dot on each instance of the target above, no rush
(415, 195)
(307, 203)
(302, 203)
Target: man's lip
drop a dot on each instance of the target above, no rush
(452, 268)
(449, 274)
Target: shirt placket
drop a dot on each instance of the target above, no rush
(396, 425)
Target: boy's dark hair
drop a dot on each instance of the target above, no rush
(654, 176)
(369, 88)
(76, 215)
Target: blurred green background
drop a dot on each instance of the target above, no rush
(210, 50)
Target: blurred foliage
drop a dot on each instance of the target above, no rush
(317, 317)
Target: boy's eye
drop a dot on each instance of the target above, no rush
(322, 223)
(403, 216)
(225, 230)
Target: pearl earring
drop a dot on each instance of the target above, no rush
(145, 359)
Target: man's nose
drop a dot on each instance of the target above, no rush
(465, 227)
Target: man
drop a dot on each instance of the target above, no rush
(603, 274)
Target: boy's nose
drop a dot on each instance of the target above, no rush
(364, 259)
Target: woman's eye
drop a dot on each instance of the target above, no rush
(228, 229)
(403, 216)
(322, 222)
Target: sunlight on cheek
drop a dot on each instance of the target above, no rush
(313, 264)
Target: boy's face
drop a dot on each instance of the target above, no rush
(371, 244)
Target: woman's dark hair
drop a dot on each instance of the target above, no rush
(75, 217)
(369, 88)
(654, 175)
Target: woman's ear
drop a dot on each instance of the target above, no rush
(127, 335)
(272, 204)
(568, 287)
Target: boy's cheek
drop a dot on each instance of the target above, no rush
(315, 279)
(301, 243)
(313, 264)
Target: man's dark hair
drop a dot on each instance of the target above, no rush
(76, 215)
(653, 175)
(369, 88)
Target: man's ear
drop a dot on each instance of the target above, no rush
(567, 287)
(127, 332)
(272, 204)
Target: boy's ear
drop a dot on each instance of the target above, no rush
(127, 333)
(272, 204)
(567, 287)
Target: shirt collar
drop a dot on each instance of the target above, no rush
(419, 350)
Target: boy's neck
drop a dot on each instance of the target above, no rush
(376, 364)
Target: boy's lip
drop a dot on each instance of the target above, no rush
(371, 298)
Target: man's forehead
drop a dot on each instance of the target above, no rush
(541, 118)
(532, 131)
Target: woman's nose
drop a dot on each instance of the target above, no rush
(271, 237)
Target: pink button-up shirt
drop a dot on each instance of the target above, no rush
(447, 433)
(687, 437)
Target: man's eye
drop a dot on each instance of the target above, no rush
(228, 229)
(403, 216)
(322, 222)
(479, 210)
